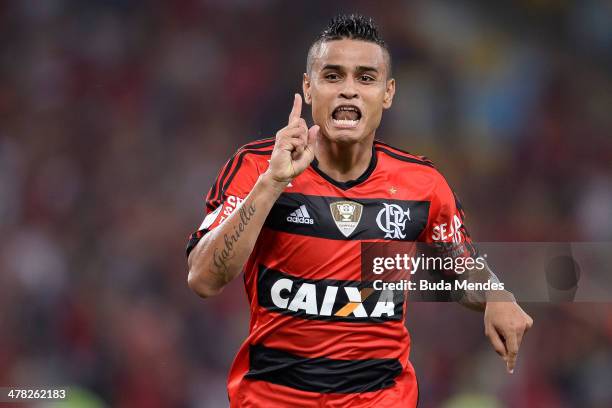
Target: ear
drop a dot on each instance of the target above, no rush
(389, 93)
(306, 89)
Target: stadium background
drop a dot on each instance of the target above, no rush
(115, 117)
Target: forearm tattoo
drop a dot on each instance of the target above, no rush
(221, 257)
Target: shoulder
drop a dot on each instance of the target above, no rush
(401, 156)
(251, 155)
(247, 162)
(417, 171)
(401, 161)
(256, 149)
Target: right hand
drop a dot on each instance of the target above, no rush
(294, 148)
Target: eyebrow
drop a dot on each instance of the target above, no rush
(360, 68)
(332, 67)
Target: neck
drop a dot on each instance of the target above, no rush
(344, 161)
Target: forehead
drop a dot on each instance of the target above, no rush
(350, 54)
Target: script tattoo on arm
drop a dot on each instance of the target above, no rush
(221, 257)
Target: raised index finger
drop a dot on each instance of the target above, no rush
(296, 111)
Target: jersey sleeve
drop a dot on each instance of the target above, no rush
(445, 233)
(234, 182)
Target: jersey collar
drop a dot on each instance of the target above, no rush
(345, 185)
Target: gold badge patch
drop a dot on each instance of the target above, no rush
(347, 215)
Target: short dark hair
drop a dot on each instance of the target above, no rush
(353, 27)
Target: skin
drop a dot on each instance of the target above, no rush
(343, 72)
(355, 73)
(505, 324)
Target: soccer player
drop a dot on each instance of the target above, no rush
(292, 211)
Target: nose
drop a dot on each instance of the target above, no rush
(349, 91)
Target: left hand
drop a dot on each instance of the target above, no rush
(505, 325)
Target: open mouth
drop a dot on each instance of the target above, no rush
(346, 116)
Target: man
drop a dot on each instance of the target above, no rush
(292, 212)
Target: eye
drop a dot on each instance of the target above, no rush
(332, 76)
(366, 78)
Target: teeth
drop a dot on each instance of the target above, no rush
(345, 122)
(347, 108)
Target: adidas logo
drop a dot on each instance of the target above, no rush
(300, 216)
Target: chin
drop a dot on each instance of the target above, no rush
(344, 136)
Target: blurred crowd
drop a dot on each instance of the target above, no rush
(116, 115)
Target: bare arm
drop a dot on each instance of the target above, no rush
(505, 321)
(476, 299)
(221, 254)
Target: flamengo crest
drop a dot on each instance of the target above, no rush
(392, 220)
(347, 215)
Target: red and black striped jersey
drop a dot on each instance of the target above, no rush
(315, 337)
